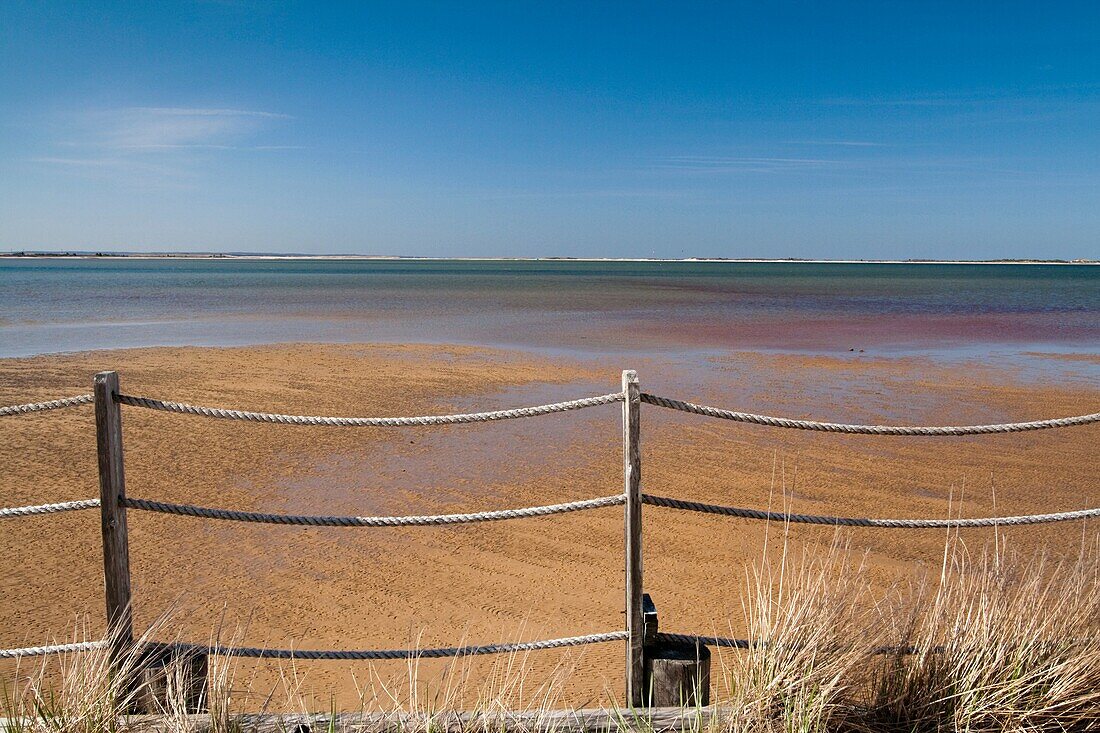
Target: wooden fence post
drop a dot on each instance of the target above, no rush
(632, 485)
(677, 675)
(112, 489)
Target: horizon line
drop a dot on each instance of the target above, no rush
(109, 254)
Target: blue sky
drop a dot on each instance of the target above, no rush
(878, 129)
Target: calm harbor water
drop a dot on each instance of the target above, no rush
(56, 305)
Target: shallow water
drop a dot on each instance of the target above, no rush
(584, 308)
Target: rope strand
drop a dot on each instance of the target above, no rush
(30, 407)
(385, 422)
(345, 521)
(832, 427)
(37, 651)
(61, 506)
(729, 511)
(705, 640)
(458, 651)
(667, 638)
(263, 653)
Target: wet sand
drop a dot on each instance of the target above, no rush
(538, 578)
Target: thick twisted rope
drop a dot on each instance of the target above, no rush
(456, 419)
(729, 511)
(37, 651)
(704, 640)
(408, 521)
(48, 405)
(832, 427)
(666, 638)
(458, 651)
(61, 506)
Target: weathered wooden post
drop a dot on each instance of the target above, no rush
(172, 678)
(676, 674)
(632, 485)
(157, 673)
(112, 489)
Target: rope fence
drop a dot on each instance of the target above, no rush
(113, 504)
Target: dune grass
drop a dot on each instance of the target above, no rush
(992, 642)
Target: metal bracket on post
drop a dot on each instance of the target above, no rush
(632, 488)
(650, 625)
(112, 490)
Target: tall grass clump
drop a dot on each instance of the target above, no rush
(479, 695)
(998, 644)
(811, 633)
(72, 692)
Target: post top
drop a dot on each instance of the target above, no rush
(629, 377)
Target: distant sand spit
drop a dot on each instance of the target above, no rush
(247, 256)
(540, 578)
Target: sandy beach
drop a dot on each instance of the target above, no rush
(539, 578)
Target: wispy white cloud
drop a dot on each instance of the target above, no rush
(137, 170)
(166, 128)
(78, 162)
(744, 164)
(103, 162)
(609, 193)
(1065, 94)
(125, 140)
(837, 143)
(800, 165)
(206, 146)
(136, 129)
(210, 112)
(935, 100)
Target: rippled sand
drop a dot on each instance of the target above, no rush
(539, 578)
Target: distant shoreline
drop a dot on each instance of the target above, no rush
(390, 258)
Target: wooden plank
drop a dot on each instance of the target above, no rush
(632, 485)
(651, 720)
(112, 489)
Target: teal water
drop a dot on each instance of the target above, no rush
(56, 305)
